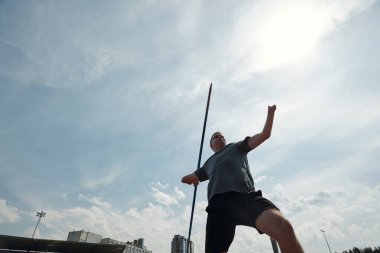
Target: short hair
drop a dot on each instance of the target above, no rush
(218, 132)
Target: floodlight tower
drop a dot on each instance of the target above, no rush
(39, 215)
(323, 232)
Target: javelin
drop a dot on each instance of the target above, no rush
(199, 165)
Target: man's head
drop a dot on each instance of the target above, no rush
(217, 141)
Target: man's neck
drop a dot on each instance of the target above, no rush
(216, 150)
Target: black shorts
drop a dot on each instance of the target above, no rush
(226, 211)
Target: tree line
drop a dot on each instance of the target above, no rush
(364, 250)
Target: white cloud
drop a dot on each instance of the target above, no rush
(8, 213)
(96, 201)
(165, 198)
(179, 194)
(260, 179)
(95, 179)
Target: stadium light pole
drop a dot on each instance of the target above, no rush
(323, 232)
(39, 215)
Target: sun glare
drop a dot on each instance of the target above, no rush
(289, 35)
(274, 35)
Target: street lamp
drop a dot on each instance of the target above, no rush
(39, 215)
(326, 239)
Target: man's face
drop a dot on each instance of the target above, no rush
(217, 141)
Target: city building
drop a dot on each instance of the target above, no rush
(137, 243)
(82, 236)
(26, 244)
(179, 245)
(111, 241)
(137, 246)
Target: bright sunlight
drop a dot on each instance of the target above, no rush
(281, 34)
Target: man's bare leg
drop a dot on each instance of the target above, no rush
(274, 224)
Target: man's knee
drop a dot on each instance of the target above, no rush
(273, 223)
(282, 223)
(286, 227)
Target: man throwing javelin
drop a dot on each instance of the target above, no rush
(233, 199)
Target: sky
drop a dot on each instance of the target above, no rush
(102, 106)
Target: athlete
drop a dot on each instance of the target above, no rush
(232, 197)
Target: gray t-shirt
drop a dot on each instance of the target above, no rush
(228, 170)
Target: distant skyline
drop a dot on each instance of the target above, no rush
(102, 107)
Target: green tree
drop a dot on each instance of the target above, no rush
(365, 250)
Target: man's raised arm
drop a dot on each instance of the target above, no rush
(257, 139)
